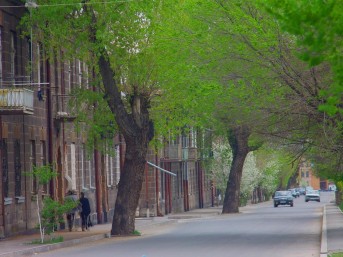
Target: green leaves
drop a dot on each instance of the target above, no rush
(317, 26)
(44, 174)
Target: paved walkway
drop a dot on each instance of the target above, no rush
(334, 227)
(332, 234)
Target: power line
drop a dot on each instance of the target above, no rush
(70, 4)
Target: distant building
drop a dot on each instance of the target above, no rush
(307, 177)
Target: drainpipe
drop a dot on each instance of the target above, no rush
(49, 127)
(97, 173)
(98, 186)
(157, 189)
(147, 190)
(1, 181)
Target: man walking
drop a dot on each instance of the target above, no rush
(86, 210)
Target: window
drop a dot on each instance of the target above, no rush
(173, 140)
(4, 162)
(85, 75)
(69, 77)
(83, 166)
(117, 164)
(91, 172)
(33, 163)
(73, 165)
(307, 174)
(13, 57)
(109, 169)
(29, 56)
(17, 168)
(70, 172)
(185, 141)
(193, 137)
(79, 73)
(40, 70)
(43, 161)
(302, 174)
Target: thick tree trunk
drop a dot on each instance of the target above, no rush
(238, 139)
(137, 130)
(129, 189)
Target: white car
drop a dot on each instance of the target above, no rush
(312, 195)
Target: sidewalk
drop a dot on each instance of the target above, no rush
(334, 228)
(332, 232)
(20, 245)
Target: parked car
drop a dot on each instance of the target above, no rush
(283, 198)
(312, 195)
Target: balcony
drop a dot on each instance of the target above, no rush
(16, 101)
(65, 110)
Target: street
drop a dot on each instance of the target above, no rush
(261, 230)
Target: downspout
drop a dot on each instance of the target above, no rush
(25, 177)
(49, 126)
(147, 190)
(97, 176)
(98, 186)
(157, 189)
(2, 188)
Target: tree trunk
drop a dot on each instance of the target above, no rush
(129, 189)
(238, 139)
(137, 130)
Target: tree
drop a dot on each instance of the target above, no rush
(317, 26)
(260, 90)
(50, 212)
(317, 29)
(113, 38)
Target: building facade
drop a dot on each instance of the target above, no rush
(307, 177)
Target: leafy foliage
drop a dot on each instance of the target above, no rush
(317, 26)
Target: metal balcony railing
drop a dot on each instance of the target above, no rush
(16, 101)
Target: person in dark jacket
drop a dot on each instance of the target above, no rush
(86, 210)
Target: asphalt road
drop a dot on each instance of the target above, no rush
(261, 230)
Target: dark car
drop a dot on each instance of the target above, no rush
(294, 192)
(283, 198)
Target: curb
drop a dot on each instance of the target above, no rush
(49, 247)
(324, 239)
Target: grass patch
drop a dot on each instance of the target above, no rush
(336, 255)
(341, 206)
(136, 233)
(52, 240)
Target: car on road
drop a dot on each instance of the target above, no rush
(294, 192)
(302, 191)
(307, 189)
(283, 198)
(312, 195)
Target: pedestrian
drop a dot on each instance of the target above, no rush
(72, 197)
(86, 210)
